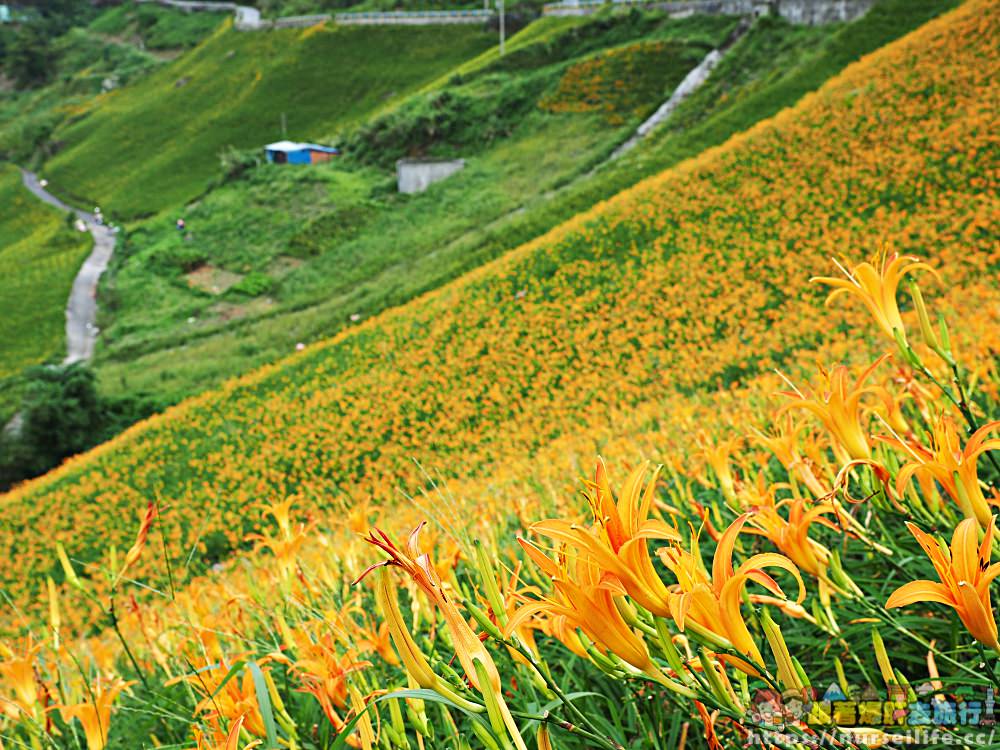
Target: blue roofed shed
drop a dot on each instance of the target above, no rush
(290, 152)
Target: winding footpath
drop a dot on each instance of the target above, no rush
(81, 310)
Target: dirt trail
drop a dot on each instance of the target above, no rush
(81, 309)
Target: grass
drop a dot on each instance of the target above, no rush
(157, 144)
(153, 347)
(156, 27)
(156, 320)
(39, 257)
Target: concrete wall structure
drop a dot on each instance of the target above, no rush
(795, 11)
(416, 175)
(414, 18)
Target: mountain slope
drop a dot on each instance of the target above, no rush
(537, 174)
(39, 257)
(157, 144)
(694, 279)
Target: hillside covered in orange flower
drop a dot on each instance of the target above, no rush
(691, 282)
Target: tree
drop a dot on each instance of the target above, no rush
(30, 59)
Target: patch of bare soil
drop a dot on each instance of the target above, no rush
(283, 265)
(213, 280)
(227, 311)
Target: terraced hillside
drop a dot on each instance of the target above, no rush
(611, 333)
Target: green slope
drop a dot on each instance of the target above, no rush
(315, 247)
(523, 185)
(157, 144)
(39, 257)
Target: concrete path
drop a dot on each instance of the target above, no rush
(81, 310)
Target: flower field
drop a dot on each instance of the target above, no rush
(551, 598)
(622, 83)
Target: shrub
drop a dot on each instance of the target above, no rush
(321, 233)
(254, 284)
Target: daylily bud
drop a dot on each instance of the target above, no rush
(882, 657)
(710, 671)
(67, 567)
(788, 676)
(364, 723)
(489, 582)
(673, 656)
(500, 717)
(398, 727)
(483, 620)
(489, 742)
(925, 322)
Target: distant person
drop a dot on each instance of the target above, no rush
(180, 225)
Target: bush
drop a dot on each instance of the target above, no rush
(339, 225)
(62, 414)
(236, 162)
(180, 258)
(254, 284)
(443, 121)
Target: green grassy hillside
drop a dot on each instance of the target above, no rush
(524, 183)
(119, 47)
(305, 250)
(158, 144)
(39, 256)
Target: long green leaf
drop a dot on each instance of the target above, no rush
(264, 703)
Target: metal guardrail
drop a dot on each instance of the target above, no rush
(394, 14)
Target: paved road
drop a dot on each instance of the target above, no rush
(81, 310)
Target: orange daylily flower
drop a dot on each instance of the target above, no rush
(717, 456)
(876, 287)
(839, 407)
(951, 465)
(17, 672)
(469, 649)
(237, 698)
(711, 604)
(586, 600)
(617, 541)
(784, 444)
(790, 532)
(324, 673)
(418, 566)
(218, 741)
(965, 575)
(95, 713)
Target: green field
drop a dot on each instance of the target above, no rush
(523, 186)
(158, 144)
(314, 247)
(158, 28)
(39, 256)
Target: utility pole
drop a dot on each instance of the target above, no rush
(502, 30)
(284, 126)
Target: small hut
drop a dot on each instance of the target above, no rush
(290, 152)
